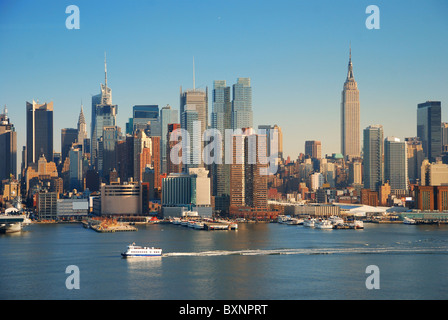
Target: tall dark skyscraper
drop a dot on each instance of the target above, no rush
(68, 137)
(8, 147)
(373, 157)
(429, 121)
(221, 120)
(147, 117)
(39, 131)
(167, 116)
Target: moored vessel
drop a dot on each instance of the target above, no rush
(323, 224)
(407, 220)
(309, 222)
(13, 221)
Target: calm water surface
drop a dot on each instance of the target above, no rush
(258, 261)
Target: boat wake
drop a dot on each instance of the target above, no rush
(313, 251)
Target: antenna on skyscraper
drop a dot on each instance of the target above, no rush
(194, 84)
(350, 46)
(105, 70)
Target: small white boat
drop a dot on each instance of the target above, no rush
(323, 224)
(139, 251)
(309, 222)
(191, 224)
(357, 224)
(199, 225)
(282, 219)
(335, 220)
(234, 226)
(294, 221)
(407, 220)
(175, 220)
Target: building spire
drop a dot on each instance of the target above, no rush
(81, 115)
(350, 75)
(194, 84)
(350, 46)
(105, 70)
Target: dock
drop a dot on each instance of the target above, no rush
(107, 225)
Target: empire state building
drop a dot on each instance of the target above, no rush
(350, 130)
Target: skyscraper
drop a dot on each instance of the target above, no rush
(444, 136)
(395, 165)
(103, 114)
(75, 171)
(39, 131)
(194, 108)
(429, 130)
(68, 137)
(373, 157)
(248, 183)
(313, 148)
(141, 142)
(167, 116)
(192, 145)
(274, 140)
(221, 120)
(146, 117)
(172, 167)
(222, 106)
(82, 130)
(350, 115)
(199, 99)
(109, 139)
(242, 116)
(415, 157)
(8, 147)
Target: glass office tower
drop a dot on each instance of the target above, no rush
(39, 131)
(429, 121)
(396, 165)
(242, 116)
(146, 117)
(373, 157)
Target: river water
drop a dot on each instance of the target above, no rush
(262, 261)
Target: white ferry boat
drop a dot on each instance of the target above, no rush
(13, 221)
(139, 251)
(323, 224)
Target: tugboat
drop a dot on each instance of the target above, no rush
(139, 251)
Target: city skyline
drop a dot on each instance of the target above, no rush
(394, 70)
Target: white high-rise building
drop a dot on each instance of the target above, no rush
(316, 181)
(395, 164)
(350, 116)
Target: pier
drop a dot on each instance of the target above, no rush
(107, 225)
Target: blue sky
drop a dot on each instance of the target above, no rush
(294, 51)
